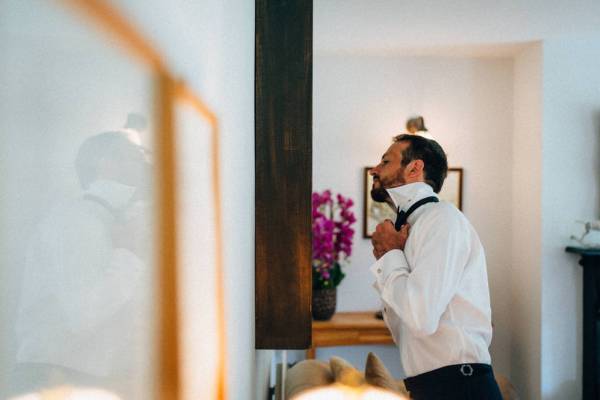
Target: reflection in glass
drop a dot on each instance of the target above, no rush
(77, 217)
(85, 269)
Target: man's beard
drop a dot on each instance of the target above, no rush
(379, 194)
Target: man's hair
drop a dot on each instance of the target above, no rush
(432, 155)
(106, 145)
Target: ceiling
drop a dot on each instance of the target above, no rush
(480, 27)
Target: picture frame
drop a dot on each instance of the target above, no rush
(453, 187)
(374, 213)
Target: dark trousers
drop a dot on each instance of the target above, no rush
(455, 382)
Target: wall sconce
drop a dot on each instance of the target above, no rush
(416, 126)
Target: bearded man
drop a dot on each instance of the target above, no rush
(431, 276)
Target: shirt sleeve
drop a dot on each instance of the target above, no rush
(420, 292)
(96, 279)
(394, 261)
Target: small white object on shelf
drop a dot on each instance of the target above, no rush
(591, 236)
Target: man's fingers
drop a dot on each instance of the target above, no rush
(386, 225)
(375, 239)
(377, 254)
(380, 227)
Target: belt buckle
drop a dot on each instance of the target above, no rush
(466, 370)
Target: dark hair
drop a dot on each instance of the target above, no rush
(108, 145)
(432, 155)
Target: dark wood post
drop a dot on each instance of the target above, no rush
(283, 146)
(590, 261)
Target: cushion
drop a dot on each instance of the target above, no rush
(376, 374)
(305, 375)
(344, 373)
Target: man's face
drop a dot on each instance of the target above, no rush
(389, 172)
(127, 165)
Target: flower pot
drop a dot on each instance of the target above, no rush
(323, 303)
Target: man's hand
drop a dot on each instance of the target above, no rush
(386, 238)
(134, 234)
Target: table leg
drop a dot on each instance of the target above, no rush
(310, 353)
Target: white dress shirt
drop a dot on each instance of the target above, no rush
(435, 293)
(80, 291)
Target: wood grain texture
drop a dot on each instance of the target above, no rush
(283, 147)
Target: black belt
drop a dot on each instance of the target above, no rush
(451, 373)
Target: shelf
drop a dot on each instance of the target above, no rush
(349, 329)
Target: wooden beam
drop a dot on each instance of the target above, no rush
(283, 146)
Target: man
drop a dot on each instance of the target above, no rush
(431, 276)
(84, 288)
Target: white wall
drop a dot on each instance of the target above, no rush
(570, 191)
(555, 177)
(525, 248)
(360, 102)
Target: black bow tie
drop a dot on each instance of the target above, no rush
(403, 215)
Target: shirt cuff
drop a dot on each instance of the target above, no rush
(393, 260)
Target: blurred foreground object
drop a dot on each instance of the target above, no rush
(343, 392)
(338, 379)
(69, 393)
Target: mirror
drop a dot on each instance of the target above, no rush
(78, 217)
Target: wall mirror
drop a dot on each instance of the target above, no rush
(107, 276)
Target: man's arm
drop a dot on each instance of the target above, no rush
(95, 279)
(420, 293)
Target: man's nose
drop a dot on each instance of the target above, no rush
(372, 171)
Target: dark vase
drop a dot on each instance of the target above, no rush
(323, 303)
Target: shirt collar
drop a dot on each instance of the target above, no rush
(118, 195)
(406, 195)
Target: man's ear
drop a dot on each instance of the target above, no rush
(415, 169)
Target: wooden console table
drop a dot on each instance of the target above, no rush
(349, 329)
(590, 261)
